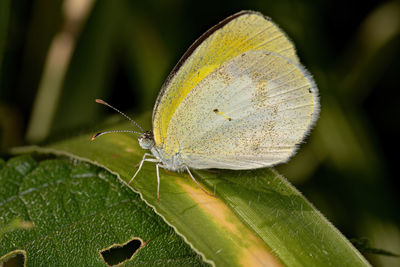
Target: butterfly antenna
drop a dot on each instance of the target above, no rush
(120, 112)
(107, 132)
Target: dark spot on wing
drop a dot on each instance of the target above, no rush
(309, 90)
(218, 112)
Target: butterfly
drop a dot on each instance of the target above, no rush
(237, 99)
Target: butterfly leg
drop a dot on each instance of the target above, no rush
(194, 180)
(158, 181)
(158, 165)
(141, 164)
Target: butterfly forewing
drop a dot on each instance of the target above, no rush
(244, 31)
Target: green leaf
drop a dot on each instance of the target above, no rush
(77, 210)
(256, 218)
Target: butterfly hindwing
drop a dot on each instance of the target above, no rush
(251, 112)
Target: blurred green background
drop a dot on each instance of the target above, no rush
(56, 57)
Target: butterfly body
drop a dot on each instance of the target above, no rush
(170, 162)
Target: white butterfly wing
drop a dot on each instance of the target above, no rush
(251, 112)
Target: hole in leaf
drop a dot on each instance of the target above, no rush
(117, 254)
(16, 260)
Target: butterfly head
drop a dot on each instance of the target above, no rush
(146, 140)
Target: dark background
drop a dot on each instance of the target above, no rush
(56, 57)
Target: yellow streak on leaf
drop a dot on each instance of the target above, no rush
(251, 250)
